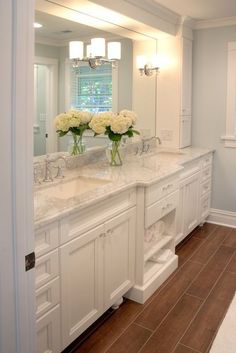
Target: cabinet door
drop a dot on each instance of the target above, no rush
(81, 283)
(191, 202)
(180, 217)
(119, 256)
(186, 94)
(185, 131)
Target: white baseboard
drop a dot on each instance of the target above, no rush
(224, 218)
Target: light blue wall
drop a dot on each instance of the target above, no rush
(209, 109)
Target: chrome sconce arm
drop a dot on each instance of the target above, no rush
(148, 70)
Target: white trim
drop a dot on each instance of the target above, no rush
(225, 218)
(22, 160)
(219, 22)
(230, 141)
(230, 136)
(17, 322)
(52, 100)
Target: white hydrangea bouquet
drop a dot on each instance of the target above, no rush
(114, 126)
(75, 122)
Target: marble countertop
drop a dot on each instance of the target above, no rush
(99, 181)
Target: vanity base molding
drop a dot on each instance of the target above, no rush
(141, 293)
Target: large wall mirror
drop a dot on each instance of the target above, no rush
(56, 82)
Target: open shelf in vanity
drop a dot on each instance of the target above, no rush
(156, 229)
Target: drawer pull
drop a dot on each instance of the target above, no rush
(109, 232)
(169, 205)
(169, 186)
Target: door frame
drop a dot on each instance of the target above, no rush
(17, 320)
(52, 100)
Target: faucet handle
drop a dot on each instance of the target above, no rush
(37, 171)
(59, 174)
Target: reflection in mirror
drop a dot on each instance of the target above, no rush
(59, 86)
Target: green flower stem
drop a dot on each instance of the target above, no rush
(115, 154)
(78, 146)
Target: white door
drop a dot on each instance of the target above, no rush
(119, 254)
(81, 283)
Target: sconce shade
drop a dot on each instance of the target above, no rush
(98, 47)
(141, 61)
(114, 50)
(88, 51)
(76, 50)
(156, 61)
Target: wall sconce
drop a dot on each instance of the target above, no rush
(145, 68)
(95, 53)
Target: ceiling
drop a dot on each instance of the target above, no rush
(58, 28)
(201, 9)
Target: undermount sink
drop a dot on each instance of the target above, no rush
(71, 188)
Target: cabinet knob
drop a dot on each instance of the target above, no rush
(109, 232)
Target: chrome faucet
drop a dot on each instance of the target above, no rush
(146, 144)
(48, 172)
(60, 174)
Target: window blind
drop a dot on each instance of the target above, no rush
(91, 89)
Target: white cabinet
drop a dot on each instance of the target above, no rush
(97, 269)
(81, 283)
(175, 86)
(194, 196)
(186, 93)
(84, 265)
(186, 77)
(119, 256)
(47, 295)
(191, 203)
(185, 131)
(156, 229)
(188, 208)
(48, 332)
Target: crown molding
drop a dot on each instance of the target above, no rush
(219, 22)
(152, 7)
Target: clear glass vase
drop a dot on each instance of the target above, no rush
(113, 154)
(77, 146)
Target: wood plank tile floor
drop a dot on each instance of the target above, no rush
(184, 314)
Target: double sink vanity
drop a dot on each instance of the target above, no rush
(105, 232)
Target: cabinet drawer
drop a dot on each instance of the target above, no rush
(207, 160)
(81, 222)
(206, 173)
(46, 239)
(161, 208)
(48, 332)
(205, 206)
(47, 268)
(205, 187)
(47, 297)
(157, 191)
